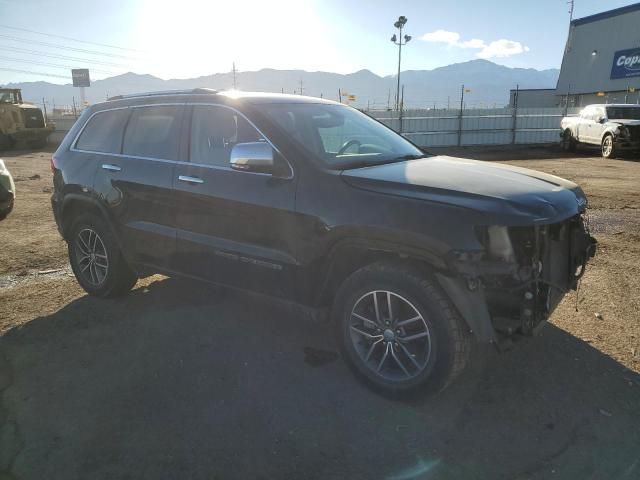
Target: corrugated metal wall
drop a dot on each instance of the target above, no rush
(501, 126)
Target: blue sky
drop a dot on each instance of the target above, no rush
(187, 38)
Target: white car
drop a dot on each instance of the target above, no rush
(614, 128)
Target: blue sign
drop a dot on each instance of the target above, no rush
(626, 63)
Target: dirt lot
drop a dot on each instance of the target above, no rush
(175, 381)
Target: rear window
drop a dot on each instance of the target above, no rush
(103, 132)
(623, 113)
(153, 132)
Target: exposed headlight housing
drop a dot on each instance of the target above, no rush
(623, 132)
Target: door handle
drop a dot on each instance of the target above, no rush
(111, 168)
(188, 179)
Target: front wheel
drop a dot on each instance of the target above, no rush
(6, 211)
(608, 147)
(398, 331)
(96, 260)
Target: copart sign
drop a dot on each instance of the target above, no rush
(626, 63)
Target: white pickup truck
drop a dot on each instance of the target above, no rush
(614, 128)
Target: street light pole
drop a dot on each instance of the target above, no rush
(399, 24)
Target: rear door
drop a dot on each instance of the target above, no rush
(233, 227)
(136, 185)
(584, 125)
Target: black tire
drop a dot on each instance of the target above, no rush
(37, 144)
(568, 143)
(4, 213)
(608, 147)
(6, 142)
(118, 277)
(450, 339)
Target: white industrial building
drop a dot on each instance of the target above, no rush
(601, 62)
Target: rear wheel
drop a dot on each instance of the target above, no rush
(6, 142)
(39, 143)
(398, 331)
(568, 143)
(608, 147)
(96, 259)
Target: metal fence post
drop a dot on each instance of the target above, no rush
(401, 109)
(515, 114)
(460, 116)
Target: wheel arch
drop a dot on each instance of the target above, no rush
(351, 254)
(75, 204)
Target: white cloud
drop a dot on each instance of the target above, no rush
(496, 49)
(442, 36)
(502, 48)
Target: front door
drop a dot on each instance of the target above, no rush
(233, 227)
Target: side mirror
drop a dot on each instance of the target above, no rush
(602, 119)
(252, 157)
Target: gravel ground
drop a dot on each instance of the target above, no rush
(181, 381)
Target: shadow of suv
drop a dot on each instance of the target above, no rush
(416, 257)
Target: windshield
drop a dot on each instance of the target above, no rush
(340, 136)
(623, 113)
(8, 97)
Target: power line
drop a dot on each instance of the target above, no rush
(31, 72)
(54, 65)
(62, 57)
(70, 38)
(63, 47)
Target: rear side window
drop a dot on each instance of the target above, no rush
(214, 132)
(153, 132)
(103, 132)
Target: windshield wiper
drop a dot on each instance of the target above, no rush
(375, 163)
(409, 157)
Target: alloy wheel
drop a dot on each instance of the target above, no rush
(91, 256)
(607, 146)
(390, 335)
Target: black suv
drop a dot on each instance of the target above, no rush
(414, 256)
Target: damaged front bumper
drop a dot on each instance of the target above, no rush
(512, 288)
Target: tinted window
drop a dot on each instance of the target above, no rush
(340, 136)
(623, 113)
(153, 132)
(214, 132)
(103, 132)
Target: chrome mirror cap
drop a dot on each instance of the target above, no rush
(252, 157)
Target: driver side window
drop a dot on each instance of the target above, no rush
(214, 132)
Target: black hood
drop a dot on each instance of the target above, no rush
(504, 194)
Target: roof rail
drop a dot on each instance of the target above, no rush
(206, 91)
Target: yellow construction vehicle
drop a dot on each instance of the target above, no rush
(21, 123)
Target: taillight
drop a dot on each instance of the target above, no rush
(53, 164)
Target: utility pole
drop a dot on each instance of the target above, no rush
(234, 75)
(300, 86)
(571, 7)
(44, 107)
(399, 24)
(339, 95)
(389, 100)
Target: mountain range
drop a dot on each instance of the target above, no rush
(488, 84)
